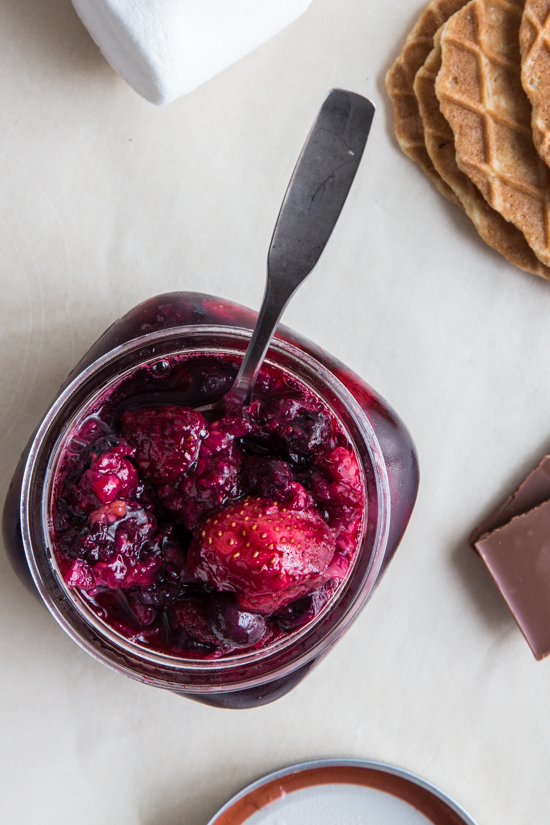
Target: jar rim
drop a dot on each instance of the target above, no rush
(164, 666)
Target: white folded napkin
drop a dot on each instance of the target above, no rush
(166, 48)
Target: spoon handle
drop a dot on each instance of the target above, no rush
(312, 204)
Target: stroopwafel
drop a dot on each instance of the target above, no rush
(503, 236)
(481, 96)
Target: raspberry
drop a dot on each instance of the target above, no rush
(118, 548)
(215, 480)
(110, 477)
(167, 440)
(336, 485)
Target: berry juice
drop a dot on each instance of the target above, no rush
(219, 556)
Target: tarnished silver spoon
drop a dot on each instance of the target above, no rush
(312, 204)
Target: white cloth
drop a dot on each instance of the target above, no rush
(166, 48)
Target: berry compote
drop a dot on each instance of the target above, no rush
(216, 556)
(202, 535)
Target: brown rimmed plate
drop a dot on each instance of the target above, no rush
(351, 791)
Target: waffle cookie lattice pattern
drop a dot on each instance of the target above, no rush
(480, 94)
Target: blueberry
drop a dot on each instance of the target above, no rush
(160, 368)
(216, 383)
(161, 594)
(235, 628)
(302, 611)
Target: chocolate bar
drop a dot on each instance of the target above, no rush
(514, 543)
(533, 491)
(518, 558)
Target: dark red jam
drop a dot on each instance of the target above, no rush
(206, 535)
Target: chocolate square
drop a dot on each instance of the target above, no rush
(518, 558)
(533, 491)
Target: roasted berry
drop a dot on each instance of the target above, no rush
(265, 553)
(167, 440)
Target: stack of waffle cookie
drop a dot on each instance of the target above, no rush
(471, 94)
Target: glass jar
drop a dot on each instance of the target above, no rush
(184, 322)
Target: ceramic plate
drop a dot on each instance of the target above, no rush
(330, 792)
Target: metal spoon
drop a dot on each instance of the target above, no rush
(312, 204)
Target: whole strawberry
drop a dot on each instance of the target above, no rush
(266, 553)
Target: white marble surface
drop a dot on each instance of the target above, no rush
(105, 200)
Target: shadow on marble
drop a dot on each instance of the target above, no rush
(196, 811)
(52, 33)
(486, 600)
(21, 612)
